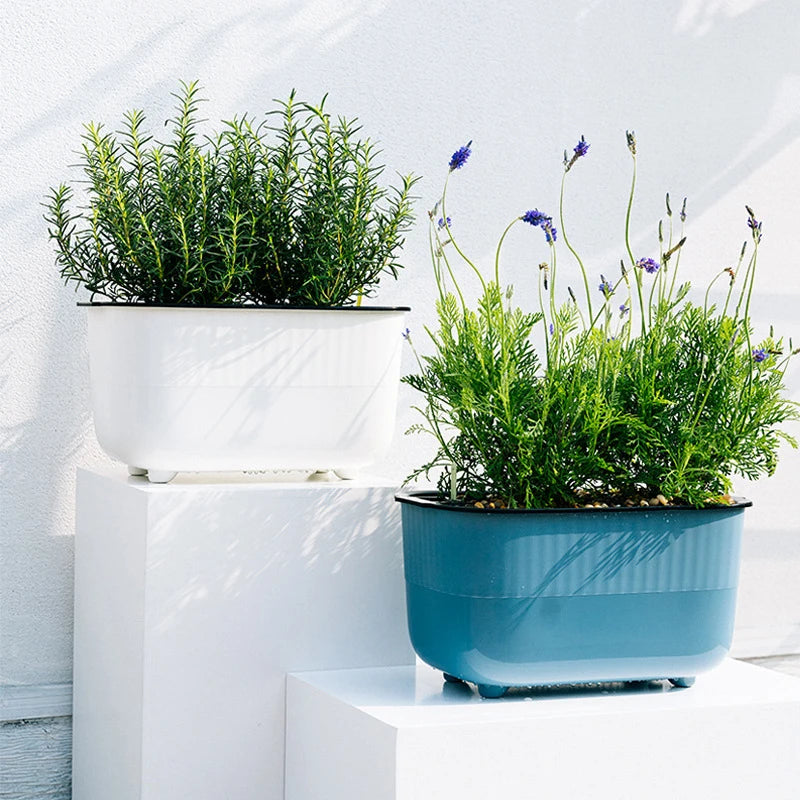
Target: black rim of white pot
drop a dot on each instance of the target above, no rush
(240, 306)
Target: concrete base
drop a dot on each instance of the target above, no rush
(193, 601)
(735, 734)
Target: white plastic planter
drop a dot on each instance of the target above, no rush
(221, 389)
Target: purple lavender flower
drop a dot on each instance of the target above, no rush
(552, 329)
(760, 354)
(606, 288)
(407, 335)
(442, 223)
(459, 158)
(623, 310)
(648, 265)
(582, 148)
(753, 224)
(539, 218)
(535, 217)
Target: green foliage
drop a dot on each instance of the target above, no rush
(288, 210)
(651, 394)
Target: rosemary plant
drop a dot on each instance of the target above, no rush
(638, 391)
(286, 210)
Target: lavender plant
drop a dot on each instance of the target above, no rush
(288, 210)
(638, 390)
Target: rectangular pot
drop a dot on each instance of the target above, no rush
(246, 388)
(520, 598)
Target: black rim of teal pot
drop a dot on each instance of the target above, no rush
(433, 501)
(242, 306)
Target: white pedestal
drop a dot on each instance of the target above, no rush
(735, 734)
(193, 601)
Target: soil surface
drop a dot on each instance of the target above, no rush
(588, 500)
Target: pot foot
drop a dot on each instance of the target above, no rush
(160, 475)
(682, 683)
(491, 692)
(136, 472)
(451, 678)
(322, 475)
(346, 474)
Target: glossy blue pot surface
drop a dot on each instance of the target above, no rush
(520, 598)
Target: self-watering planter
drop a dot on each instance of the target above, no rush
(506, 598)
(247, 388)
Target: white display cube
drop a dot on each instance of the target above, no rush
(192, 602)
(735, 734)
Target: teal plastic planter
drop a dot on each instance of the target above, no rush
(531, 597)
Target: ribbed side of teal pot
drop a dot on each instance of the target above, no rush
(518, 599)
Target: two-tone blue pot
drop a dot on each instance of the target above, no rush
(526, 597)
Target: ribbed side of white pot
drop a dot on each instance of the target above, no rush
(208, 389)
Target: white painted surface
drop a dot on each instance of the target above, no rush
(194, 600)
(735, 734)
(768, 608)
(109, 681)
(711, 88)
(212, 389)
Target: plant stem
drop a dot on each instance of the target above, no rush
(569, 245)
(497, 252)
(452, 239)
(637, 276)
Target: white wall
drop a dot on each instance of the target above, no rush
(712, 88)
